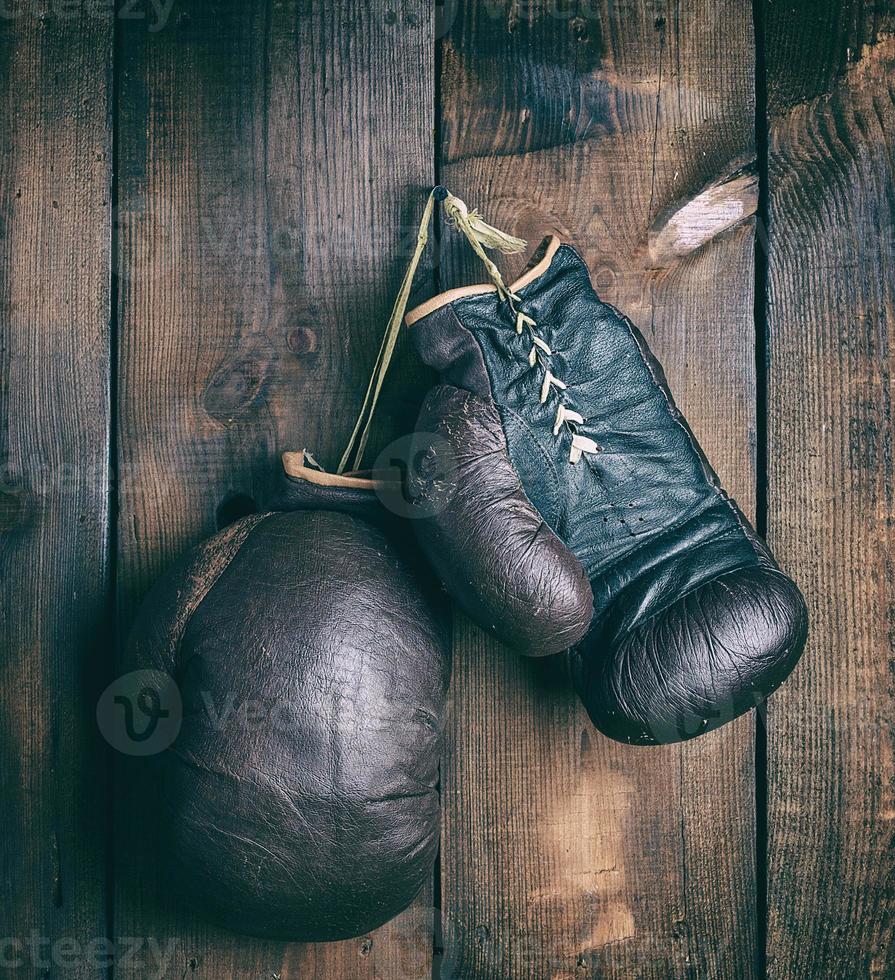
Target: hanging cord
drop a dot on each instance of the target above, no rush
(361, 432)
(480, 236)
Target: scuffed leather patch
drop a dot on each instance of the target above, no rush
(495, 553)
(168, 606)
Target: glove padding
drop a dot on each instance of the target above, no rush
(562, 416)
(504, 564)
(300, 799)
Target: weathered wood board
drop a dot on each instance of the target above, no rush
(263, 203)
(831, 320)
(55, 183)
(566, 855)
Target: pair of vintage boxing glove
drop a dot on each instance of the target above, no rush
(565, 505)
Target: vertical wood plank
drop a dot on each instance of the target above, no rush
(565, 855)
(55, 182)
(271, 156)
(831, 308)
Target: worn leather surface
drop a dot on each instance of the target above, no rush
(692, 621)
(481, 533)
(292, 493)
(299, 801)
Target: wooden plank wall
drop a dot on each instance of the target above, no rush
(566, 855)
(831, 798)
(55, 178)
(272, 159)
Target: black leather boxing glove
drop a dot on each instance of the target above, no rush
(314, 815)
(567, 504)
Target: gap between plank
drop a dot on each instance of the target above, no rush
(114, 489)
(438, 937)
(762, 248)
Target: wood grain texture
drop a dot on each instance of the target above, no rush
(566, 855)
(55, 180)
(831, 307)
(271, 156)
